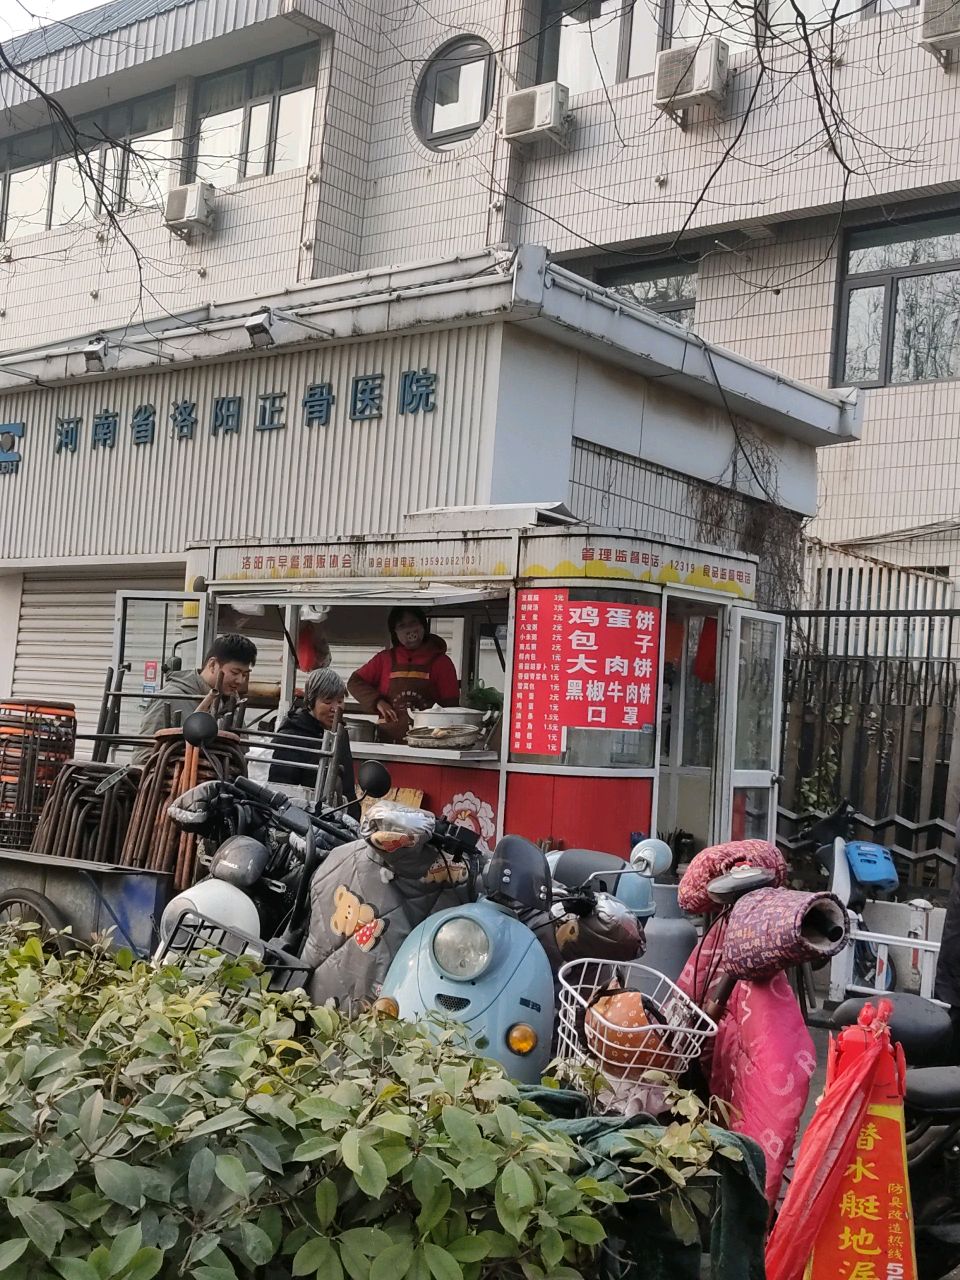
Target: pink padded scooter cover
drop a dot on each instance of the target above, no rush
(761, 1061)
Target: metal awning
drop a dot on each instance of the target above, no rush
(390, 591)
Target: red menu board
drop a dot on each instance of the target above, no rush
(585, 664)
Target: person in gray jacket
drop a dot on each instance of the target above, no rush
(223, 678)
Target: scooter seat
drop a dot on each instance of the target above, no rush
(921, 1026)
(934, 1089)
(575, 866)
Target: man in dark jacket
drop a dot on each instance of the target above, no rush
(295, 764)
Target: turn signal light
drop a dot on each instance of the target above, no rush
(521, 1039)
(386, 1007)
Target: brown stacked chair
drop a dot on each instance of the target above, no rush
(153, 842)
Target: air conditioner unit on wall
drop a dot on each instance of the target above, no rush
(530, 115)
(190, 208)
(940, 25)
(690, 75)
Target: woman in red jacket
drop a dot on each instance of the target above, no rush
(414, 673)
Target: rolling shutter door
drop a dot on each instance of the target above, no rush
(65, 637)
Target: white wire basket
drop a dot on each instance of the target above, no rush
(598, 1029)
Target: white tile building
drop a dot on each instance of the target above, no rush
(361, 185)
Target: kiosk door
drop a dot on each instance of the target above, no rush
(752, 724)
(155, 632)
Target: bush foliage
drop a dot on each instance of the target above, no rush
(152, 1126)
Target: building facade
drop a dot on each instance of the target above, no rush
(366, 301)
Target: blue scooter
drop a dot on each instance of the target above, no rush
(492, 964)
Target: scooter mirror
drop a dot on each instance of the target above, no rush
(374, 779)
(200, 729)
(651, 857)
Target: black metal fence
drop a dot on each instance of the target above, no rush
(870, 715)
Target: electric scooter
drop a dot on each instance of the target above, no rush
(256, 897)
(493, 963)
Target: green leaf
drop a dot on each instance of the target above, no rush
(200, 1177)
(57, 1167)
(327, 1201)
(551, 1246)
(258, 1245)
(518, 1185)
(76, 1269)
(426, 1178)
(433, 1211)
(271, 1222)
(393, 1261)
(123, 1249)
(682, 1222)
(479, 1171)
(317, 1257)
(11, 1250)
(512, 1218)
(365, 1163)
(231, 1119)
(91, 1116)
(583, 1229)
(233, 1175)
(462, 1129)
(442, 1265)
(355, 1261)
(42, 1223)
(315, 1148)
(418, 1269)
(119, 1182)
(469, 1249)
(145, 1264)
(264, 1150)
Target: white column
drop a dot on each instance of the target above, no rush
(11, 590)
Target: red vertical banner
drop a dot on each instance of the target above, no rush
(537, 649)
(584, 664)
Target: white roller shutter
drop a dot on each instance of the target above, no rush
(65, 637)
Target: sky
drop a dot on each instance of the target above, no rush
(17, 16)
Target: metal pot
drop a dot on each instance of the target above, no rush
(441, 717)
(360, 729)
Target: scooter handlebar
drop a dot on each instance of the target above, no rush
(285, 814)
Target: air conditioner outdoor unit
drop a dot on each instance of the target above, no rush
(190, 208)
(532, 114)
(940, 26)
(689, 75)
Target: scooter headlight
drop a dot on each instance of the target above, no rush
(461, 948)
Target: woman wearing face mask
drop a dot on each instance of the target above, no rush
(413, 673)
(296, 765)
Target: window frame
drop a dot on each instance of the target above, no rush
(425, 97)
(552, 13)
(662, 269)
(95, 142)
(889, 280)
(246, 106)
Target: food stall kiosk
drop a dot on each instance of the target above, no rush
(640, 686)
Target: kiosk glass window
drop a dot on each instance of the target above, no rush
(586, 676)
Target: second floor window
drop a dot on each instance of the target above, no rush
(589, 44)
(900, 304)
(120, 161)
(256, 119)
(667, 287)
